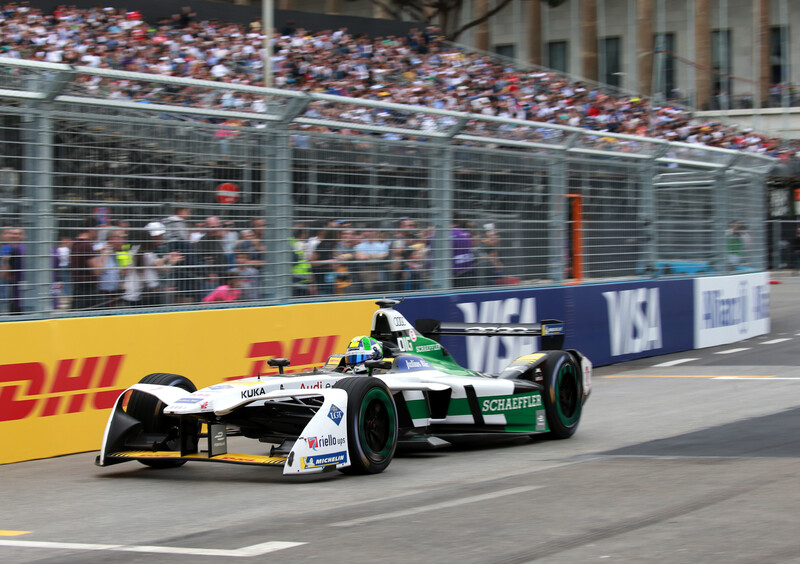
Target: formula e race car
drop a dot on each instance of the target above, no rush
(417, 395)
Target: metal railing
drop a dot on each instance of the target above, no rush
(125, 192)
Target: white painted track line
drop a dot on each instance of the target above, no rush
(776, 341)
(434, 506)
(761, 378)
(245, 552)
(673, 362)
(729, 351)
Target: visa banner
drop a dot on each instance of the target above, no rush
(607, 322)
(60, 377)
(491, 354)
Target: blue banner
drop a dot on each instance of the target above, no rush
(607, 322)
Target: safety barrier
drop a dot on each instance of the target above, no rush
(60, 377)
(611, 322)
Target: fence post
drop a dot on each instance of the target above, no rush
(758, 206)
(278, 188)
(649, 213)
(39, 226)
(557, 240)
(442, 187)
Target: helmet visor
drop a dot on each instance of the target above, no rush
(357, 357)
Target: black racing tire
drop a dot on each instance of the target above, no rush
(371, 424)
(562, 395)
(149, 411)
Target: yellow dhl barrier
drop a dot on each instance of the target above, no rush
(59, 378)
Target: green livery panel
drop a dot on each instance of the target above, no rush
(524, 413)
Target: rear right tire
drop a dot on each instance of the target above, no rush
(563, 393)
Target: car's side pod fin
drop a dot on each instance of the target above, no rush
(429, 328)
(551, 331)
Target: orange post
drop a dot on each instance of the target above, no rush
(576, 207)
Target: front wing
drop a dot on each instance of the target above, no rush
(321, 446)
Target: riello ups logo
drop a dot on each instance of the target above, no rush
(29, 389)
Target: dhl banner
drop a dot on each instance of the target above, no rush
(59, 378)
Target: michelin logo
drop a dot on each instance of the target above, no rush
(322, 460)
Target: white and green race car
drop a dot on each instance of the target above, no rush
(326, 419)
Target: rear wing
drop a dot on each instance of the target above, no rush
(550, 330)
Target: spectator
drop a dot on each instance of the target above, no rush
(111, 264)
(322, 259)
(247, 275)
(83, 268)
(255, 254)
(346, 265)
(302, 280)
(177, 228)
(142, 283)
(372, 254)
(211, 255)
(230, 238)
(414, 272)
(734, 244)
(61, 261)
(490, 266)
(11, 267)
(228, 291)
(186, 17)
(259, 227)
(198, 231)
(463, 255)
(229, 129)
(405, 234)
(400, 250)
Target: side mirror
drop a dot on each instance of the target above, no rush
(279, 362)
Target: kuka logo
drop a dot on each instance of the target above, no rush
(303, 352)
(23, 387)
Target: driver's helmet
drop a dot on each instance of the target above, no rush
(362, 349)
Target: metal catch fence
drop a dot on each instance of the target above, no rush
(126, 192)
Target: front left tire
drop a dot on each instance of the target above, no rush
(371, 424)
(149, 410)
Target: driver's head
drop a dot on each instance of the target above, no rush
(360, 350)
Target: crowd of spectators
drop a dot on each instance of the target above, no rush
(182, 259)
(169, 261)
(419, 69)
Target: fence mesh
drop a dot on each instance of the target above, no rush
(123, 192)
